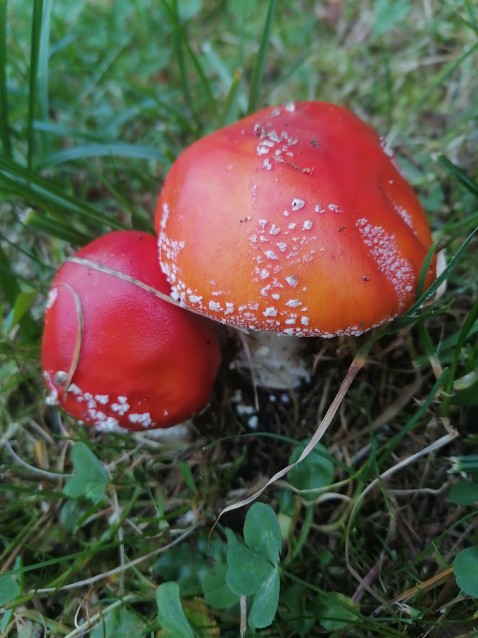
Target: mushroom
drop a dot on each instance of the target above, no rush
(115, 354)
(293, 222)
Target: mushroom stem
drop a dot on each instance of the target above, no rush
(276, 361)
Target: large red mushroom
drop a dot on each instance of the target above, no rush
(296, 221)
(116, 355)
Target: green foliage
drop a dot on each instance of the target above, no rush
(465, 567)
(9, 589)
(316, 471)
(253, 567)
(388, 16)
(248, 568)
(336, 611)
(170, 612)
(464, 493)
(119, 622)
(90, 479)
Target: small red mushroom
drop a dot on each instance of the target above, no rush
(295, 220)
(114, 354)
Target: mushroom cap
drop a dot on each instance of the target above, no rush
(295, 220)
(116, 356)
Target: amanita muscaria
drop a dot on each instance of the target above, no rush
(114, 354)
(296, 221)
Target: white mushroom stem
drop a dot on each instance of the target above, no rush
(276, 361)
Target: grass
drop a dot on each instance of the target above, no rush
(96, 101)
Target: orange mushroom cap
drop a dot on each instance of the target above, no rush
(116, 356)
(295, 220)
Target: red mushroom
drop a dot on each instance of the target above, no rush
(114, 354)
(294, 220)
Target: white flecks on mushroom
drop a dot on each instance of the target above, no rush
(307, 225)
(122, 406)
(264, 273)
(270, 254)
(297, 204)
(334, 208)
(214, 306)
(384, 249)
(292, 225)
(143, 419)
(274, 230)
(319, 209)
(264, 147)
(272, 135)
(270, 312)
(164, 216)
(386, 147)
(74, 389)
(292, 281)
(282, 246)
(97, 416)
(294, 303)
(51, 298)
(229, 308)
(52, 397)
(61, 377)
(267, 164)
(195, 299)
(404, 214)
(290, 106)
(102, 399)
(110, 425)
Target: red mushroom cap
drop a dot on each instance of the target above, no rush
(114, 355)
(294, 220)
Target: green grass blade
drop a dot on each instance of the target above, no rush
(459, 174)
(424, 269)
(392, 444)
(43, 60)
(38, 191)
(36, 39)
(11, 289)
(4, 108)
(56, 228)
(115, 149)
(8, 281)
(230, 108)
(472, 22)
(179, 57)
(462, 338)
(443, 76)
(182, 46)
(258, 72)
(414, 312)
